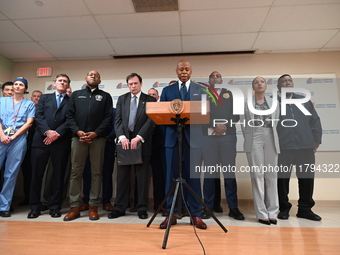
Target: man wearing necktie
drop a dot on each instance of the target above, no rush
(51, 139)
(185, 90)
(132, 126)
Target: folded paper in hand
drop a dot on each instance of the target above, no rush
(129, 157)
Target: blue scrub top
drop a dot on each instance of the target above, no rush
(7, 113)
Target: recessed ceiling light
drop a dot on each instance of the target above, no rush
(38, 3)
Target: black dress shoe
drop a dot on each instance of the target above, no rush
(218, 209)
(273, 221)
(55, 213)
(266, 222)
(205, 215)
(5, 214)
(142, 215)
(33, 214)
(11, 209)
(308, 215)
(236, 214)
(283, 215)
(115, 214)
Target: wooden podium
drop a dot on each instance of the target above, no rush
(162, 112)
(178, 112)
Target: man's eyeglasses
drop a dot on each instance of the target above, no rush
(93, 74)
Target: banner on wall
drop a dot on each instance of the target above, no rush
(323, 88)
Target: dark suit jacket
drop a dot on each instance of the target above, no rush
(224, 111)
(143, 125)
(49, 117)
(170, 93)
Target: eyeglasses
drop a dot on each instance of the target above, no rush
(93, 74)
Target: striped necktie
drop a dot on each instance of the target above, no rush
(183, 91)
(59, 98)
(133, 111)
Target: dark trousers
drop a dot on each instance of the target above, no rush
(220, 150)
(191, 157)
(302, 159)
(123, 185)
(59, 159)
(158, 172)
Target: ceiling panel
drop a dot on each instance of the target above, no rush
(22, 9)
(221, 4)
(334, 42)
(293, 40)
(227, 42)
(140, 24)
(67, 28)
(81, 48)
(11, 33)
(307, 17)
(109, 6)
(24, 50)
(223, 21)
(2, 16)
(150, 45)
(299, 2)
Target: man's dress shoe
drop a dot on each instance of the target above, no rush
(5, 214)
(165, 223)
(308, 215)
(33, 214)
(55, 213)
(142, 215)
(236, 214)
(205, 215)
(73, 214)
(283, 215)
(93, 213)
(115, 214)
(198, 222)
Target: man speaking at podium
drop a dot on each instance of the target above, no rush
(186, 90)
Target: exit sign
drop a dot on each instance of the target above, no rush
(44, 72)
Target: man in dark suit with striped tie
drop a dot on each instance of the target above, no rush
(186, 90)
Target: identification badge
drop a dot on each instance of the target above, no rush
(11, 131)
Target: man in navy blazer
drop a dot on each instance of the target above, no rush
(129, 134)
(192, 151)
(52, 138)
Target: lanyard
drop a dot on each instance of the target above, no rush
(13, 107)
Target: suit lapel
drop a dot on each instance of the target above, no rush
(127, 104)
(141, 106)
(175, 91)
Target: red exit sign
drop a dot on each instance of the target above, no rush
(44, 72)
